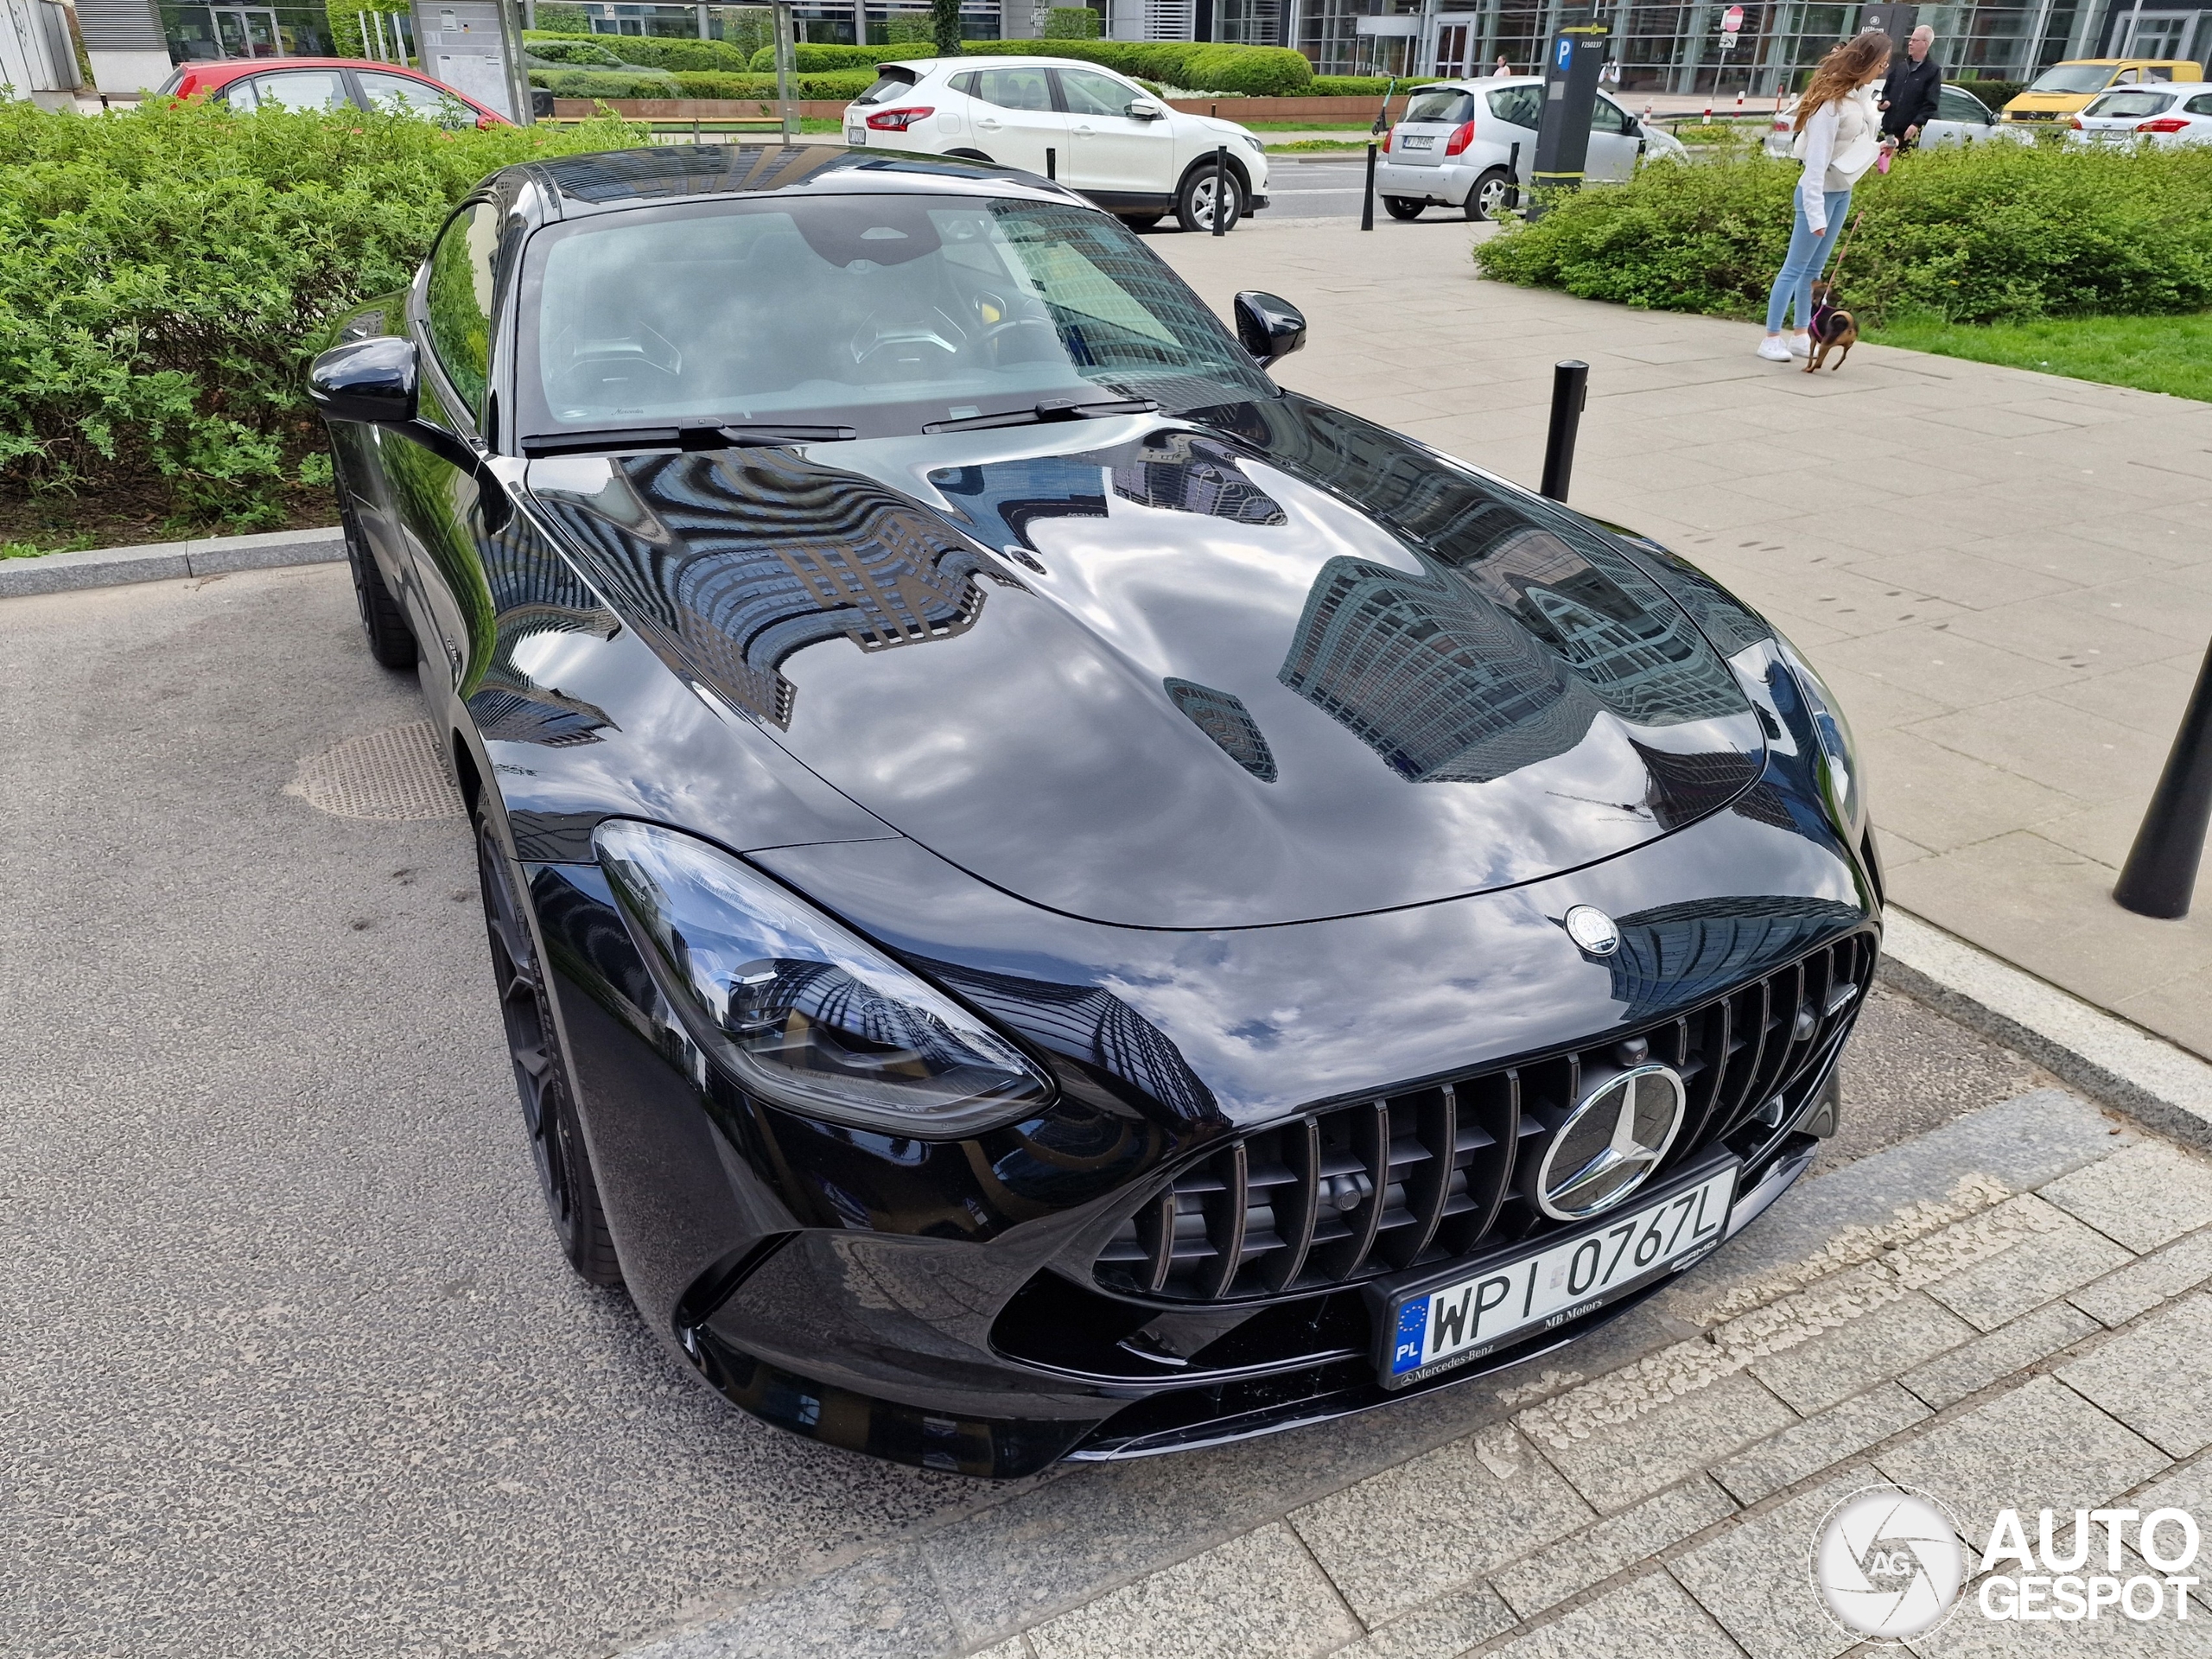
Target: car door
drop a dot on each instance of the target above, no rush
(302, 89)
(1109, 150)
(1960, 116)
(403, 95)
(1014, 117)
(1614, 140)
(439, 506)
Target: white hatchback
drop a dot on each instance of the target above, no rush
(2163, 117)
(1098, 132)
(1466, 143)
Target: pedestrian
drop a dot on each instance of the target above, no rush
(1909, 95)
(1502, 66)
(1838, 139)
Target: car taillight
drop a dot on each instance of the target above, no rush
(1462, 135)
(2078, 127)
(2165, 123)
(899, 120)
(1386, 142)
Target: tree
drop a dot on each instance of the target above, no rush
(945, 14)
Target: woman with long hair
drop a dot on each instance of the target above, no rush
(1839, 137)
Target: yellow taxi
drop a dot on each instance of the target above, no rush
(2065, 89)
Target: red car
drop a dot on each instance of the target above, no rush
(327, 84)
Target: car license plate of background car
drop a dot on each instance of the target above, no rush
(856, 135)
(1435, 1330)
(1414, 141)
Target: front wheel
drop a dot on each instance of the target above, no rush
(1403, 206)
(1194, 202)
(1492, 194)
(391, 642)
(549, 1103)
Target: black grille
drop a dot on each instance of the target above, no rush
(1431, 1174)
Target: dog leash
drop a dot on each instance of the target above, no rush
(1843, 248)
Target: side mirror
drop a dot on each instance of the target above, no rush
(1268, 327)
(1144, 109)
(370, 380)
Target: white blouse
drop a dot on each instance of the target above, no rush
(1833, 153)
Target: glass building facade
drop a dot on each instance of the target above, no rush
(823, 23)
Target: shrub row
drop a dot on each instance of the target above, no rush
(592, 83)
(165, 275)
(1363, 86)
(1983, 233)
(1257, 71)
(645, 52)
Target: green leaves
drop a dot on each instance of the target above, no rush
(165, 275)
(1990, 232)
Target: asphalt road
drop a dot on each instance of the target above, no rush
(291, 1364)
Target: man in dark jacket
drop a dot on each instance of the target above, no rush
(1908, 96)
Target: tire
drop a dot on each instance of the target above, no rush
(1141, 222)
(1488, 196)
(1403, 206)
(391, 642)
(1194, 199)
(548, 1101)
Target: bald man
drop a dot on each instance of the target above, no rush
(1909, 95)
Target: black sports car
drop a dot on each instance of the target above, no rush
(1054, 898)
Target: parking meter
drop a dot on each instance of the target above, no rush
(1570, 94)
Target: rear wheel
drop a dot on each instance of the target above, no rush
(549, 1109)
(1492, 195)
(1194, 203)
(1404, 207)
(391, 642)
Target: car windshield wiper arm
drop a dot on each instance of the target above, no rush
(726, 435)
(1050, 409)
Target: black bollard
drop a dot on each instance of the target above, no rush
(1570, 389)
(1513, 175)
(1367, 206)
(1051, 163)
(2161, 869)
(1221, 190)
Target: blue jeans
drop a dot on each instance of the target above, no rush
(1807, 258)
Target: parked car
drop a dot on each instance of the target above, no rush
(328, 84)
(2163, 117)
(2065, 89)
(1455, 145)
(1098, 132)
(1051, 897)
(1960, 118)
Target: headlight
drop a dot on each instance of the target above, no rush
(799, 1011)
(1839, 755)
(1258, 149)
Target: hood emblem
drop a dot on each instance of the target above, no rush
(1610, 1142)
(1592, 929)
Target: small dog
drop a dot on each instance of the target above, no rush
(1833, 329)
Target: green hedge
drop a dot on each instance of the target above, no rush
(818, 60)
(1983, 233)
(1258, 71)
(165, 275)
(583, 55)
(1364, 86)
(647, 53)
(1071, 23)
(592, 83)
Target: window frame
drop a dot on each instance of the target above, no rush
(479, 428)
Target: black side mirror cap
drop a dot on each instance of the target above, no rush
(374, 381)
(1268, 326)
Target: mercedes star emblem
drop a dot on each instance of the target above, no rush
(1610, 1142)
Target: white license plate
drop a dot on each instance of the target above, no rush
(1434, 1330)
(856, 135)
(1414, 141)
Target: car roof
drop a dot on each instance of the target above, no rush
(996, 61)
(230, 69)
(629, 178)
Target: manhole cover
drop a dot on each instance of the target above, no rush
(395, 774)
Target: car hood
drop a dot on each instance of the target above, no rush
(1280, 666)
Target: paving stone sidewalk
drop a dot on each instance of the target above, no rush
(2008, 576)
(2011, 1310)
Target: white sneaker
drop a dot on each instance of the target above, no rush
(1800, 344)
(1773, 350)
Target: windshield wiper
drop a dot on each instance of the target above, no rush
(729, 435)
(1050, 409)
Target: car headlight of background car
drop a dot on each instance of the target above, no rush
(1838, 758)
(798, 1010)
(1259, 148)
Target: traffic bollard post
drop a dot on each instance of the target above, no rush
(2161, 869)
(1221, 190)
(1570, 389)
(1367, 202)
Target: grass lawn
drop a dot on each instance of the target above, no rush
(2169, 354)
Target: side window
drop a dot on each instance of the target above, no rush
(1519, 106)
(399, 95)
(1952, 105)
(2200, 105)
(461, 301)
(1089, 92)
(241, 95)
(965, 84)
(1014, 89)
(1606, 116)
(302, 89)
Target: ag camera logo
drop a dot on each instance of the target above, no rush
(1887, 1562)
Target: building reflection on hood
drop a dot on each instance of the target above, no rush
(1676, 955)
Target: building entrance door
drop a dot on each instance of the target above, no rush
(1456, 37)
(247, 32)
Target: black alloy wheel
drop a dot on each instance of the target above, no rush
(556, 1142)
(1194, 204)
(1404, 207)
(391, 642)
(1492, 195)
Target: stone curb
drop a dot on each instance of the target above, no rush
(212, 556)
(2166, 1086)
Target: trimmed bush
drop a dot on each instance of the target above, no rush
(694, 82)
(582, 53)
(166, 274)
(813, 60)
(1984, 234)
(598, 83)
(1071, 23)
(1255, 71)
(1362, 85)
(643, 52)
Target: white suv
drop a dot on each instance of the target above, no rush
(1098, 132)
(1456, 145)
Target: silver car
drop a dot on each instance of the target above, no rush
(1464, 144)
(2163, 117)
(1960, 118)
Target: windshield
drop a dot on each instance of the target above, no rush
(883, 313)
(2130, 105)
(2073, 77)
